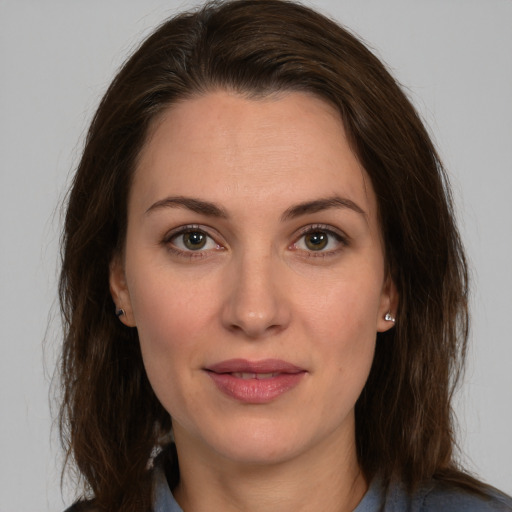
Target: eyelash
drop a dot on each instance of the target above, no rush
(341, 239)
(190, 254)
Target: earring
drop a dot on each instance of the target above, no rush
(389, 317)
(120, 312)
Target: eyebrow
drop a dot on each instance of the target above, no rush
(196, 205)
(212, 210)
(319, 205)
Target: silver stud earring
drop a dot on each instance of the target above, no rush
(120, 312)
(389, 317)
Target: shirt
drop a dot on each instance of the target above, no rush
(434, 497)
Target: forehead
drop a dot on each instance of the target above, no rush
(290, 147)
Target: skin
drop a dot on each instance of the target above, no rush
(255, 291)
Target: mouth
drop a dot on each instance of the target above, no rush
(259, 376)
(267, 367)
(255, 382)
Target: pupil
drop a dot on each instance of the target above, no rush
(194, 240)
(316, 241)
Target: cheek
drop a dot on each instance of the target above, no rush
(167, 306)
(345, 306)
(342, 321)
(346, 348)
(170, 316)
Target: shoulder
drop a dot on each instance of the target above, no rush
(438, 496)
(433, 496)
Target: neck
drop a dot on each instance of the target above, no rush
(326, 478)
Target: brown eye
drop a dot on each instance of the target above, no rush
(320, 240)
(194, 240)
(316, 241)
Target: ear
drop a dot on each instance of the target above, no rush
(388, 304)
(119, 291)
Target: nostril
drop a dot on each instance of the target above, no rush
(256, 330)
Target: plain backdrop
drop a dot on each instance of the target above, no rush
(56, 59)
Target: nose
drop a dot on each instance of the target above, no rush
(256, 304)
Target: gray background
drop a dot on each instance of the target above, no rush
(57, 57)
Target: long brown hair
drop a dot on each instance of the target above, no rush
(110, 418)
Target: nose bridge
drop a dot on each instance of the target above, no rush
(255, 303)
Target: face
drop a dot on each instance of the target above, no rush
(254, 273)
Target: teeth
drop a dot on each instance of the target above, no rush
(244, 375)
(262, 376)
(258, 376)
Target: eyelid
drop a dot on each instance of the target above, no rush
(311, 228)
(187, 228)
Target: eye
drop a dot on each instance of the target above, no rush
(191, 239)
(316, 241)
(319, 239)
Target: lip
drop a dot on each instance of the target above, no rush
(255, 382)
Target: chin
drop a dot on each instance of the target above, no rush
(259, 454)
(260, 444)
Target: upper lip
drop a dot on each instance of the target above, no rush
(262, 366)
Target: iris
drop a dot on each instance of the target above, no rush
(316, 241)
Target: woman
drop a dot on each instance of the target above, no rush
(260, 245)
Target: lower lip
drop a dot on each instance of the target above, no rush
(255, 391)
